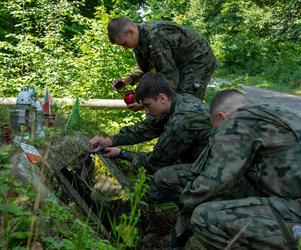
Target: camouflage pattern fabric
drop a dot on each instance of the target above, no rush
(182, 135)
(259, 143)
(170, 181)
(215, 224)
(181, 55)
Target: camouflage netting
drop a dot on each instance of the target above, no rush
(66, 153)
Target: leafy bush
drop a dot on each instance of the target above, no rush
(57, 227)
(126, 232)
(72, 61)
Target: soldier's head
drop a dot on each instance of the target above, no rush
(224, 104)
(123, 32)
(155, 93)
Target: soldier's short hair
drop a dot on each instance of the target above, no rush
(116, 26)
(151, 85)
(229, 99)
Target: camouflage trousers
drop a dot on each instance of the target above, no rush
(195, 76)
(171, 180)
(216, 223)
(194, 79)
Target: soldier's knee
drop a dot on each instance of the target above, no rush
(158, 177)
(203, 216)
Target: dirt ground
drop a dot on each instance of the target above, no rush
(156, 227)
(274, 98)
(271, 97)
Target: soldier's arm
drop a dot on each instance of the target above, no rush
(137, 159)
(163, 60)
(229, 157)
(176, 141)
(145, 130)
(136, 74)
(141, 68)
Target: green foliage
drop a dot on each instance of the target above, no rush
(126, 233)
(157, 10)
(5, 153)
(57, 227)
(64, 44)
(66, 51)
(15, 219)
(107, 122)
(253, 37)
(62, 231)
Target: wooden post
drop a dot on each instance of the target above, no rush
(91, 103)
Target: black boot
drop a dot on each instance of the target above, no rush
(178, 243)
(157, 197)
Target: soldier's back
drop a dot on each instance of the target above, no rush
(276, 164)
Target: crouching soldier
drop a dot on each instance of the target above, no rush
(260, 145)
(181, 55)
(182, 127)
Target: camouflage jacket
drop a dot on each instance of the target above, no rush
(259, 144)
(182, 135)
(181, 55)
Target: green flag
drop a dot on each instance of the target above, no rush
(74, 119)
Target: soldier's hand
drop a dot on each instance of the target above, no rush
(98, 143)
(112, 152)
(118, 84)
(135, 106)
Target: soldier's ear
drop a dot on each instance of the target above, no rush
(222, 115)
(129, 30)
(163, 98)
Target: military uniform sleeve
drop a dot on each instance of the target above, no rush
(136, 74)
(138, 159)
(143, 131)
(176, 141)
(143, 66)
(230, 155)
(163, 61)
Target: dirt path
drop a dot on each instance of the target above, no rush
(283, 100)
(275, 98)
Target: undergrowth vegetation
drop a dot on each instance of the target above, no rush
(56, 226)
(63, 45)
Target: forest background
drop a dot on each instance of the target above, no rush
(63, 45)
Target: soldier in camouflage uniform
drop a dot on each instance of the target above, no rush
(183, 127)
(262, 145)
(180, 54)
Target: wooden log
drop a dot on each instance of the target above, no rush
(91, 103)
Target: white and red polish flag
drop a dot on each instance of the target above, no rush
(46, 106)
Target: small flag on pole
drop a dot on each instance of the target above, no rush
(74, 119)
(46, 106)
